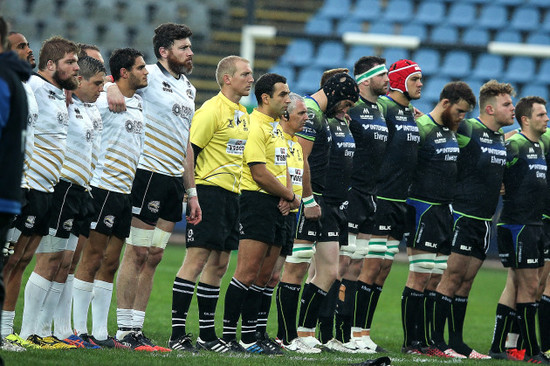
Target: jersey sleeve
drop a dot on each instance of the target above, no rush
(464, 133)
(254, 149)
(512, 152)
(203, 127)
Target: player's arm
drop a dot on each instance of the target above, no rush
(195, 212)
(312, 210)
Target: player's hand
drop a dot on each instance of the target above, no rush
(195, 212)
(417, 113)
(295, 203)
(284, 206)
(312, 213)
(115, 99)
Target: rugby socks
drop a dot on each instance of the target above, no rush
(376, 291)
(207, 299)
(138, 318)
(344, 310)
(62, 315)
(45, 318)
(429, 300)
(7, 322)
(101, 302)
(82, 297)
(287, 298)
(182, 293)
(362, 304)
(312, 298)
(326, 313)
(412, 316)
(503, 321)
(234, 300)
(526, 314)
(250, 313)
(36, 291)
(123, 321)
(442, 308)
(456, 324)
(544, 323)
(265, 307)
(514, 338)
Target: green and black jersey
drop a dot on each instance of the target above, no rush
(340, 162)
(545, 140)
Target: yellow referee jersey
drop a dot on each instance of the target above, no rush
(220, 128)
(295, 164)
(265, 144)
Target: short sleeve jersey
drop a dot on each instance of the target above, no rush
(121, 143)
(295, 164)
(480, 169)
(369, 130)
(265, 145)
(400, 157)
(220, 128)
(168, 107)
(340, 162)
(545, 141)
(524, 182)
(29, 134)
(95, 116)
(317, 131)
(50, 135)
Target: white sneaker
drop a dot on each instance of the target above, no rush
(336, 345)
(298, 345)
(367, 341)
(358, 345)
(311, 341)
(11, 347)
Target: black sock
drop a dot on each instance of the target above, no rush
(503, 322)
(442, 308)
(344, 310)
(456, 321)
(526, 313)
(516, 329)
(376, 291)
(362, 301)
(544, 323)
(412, 311)
(312, 298)
(326, 313)
(287, 299)
(326, 328)
(253, 301)
(234, 299)
(265, 307)
(429, 300)
(207, 299)
(182, 293)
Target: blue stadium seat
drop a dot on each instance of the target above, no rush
(432, 88)
(488, 67)
(475, 85)
(456, 64)
(298, 53)
(334, 9)
(461, 15)
(308, 80)
(366, 10)
(394, 54)
(475, 37)
(355, 53)
(414, 29)
(538, 38)
(520, 70)
(546, 22)
(543, 76)
(477, 1)
(398, 11)
(493, 17)
(428, 59)
(508, 36)
(330, 55)
(509, 2)
(539, 3)
(318, 26)
(525, 19)
(423, 105)
(540, 90)
(430, 12)
(286, 71)
(381, 27)
(348, 25)
(444, 34)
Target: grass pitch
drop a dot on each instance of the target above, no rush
(386, 329)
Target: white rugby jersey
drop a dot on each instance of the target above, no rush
(95, 116)
(29, 134)
(120, 147)
(50, 135)
(77, 166)
(169, 105)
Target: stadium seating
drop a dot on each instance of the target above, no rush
(525, 19)
(488, 67)
(319, 26)
(298, 53)
(309, 79)
(398, 11)
(456, 64)
(366, 10)
(538, 38)
(348, 25)
(381, 27)
(444, 34)
(355, 53)
(493, 17)
(540, 90)
(428, 59)
(461, 15)
(430, 13)
(520, 69)
(393, 54)
(335, 9)
(432, 88)
(475, 37)
(510, 36)
(414, 29)
(543, 75)
(330, 55)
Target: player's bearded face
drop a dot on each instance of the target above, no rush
(66, 81)
(178, 66)
(450, 120)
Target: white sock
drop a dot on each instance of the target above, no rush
(124, 321)
(45, 318)
(101, 302)
(35, 293)
(62, 315)
(138, 317)
(7, 322)
(82, 296)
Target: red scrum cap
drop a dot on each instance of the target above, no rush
(400, 71)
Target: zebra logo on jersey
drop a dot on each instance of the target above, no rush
(109, 221)
(166, 87)
(29, 223)
(68, 225)
(153, 206)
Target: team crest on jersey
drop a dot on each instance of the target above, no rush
(133, 126)
(32, 119)
(109, 221)
(166, 87)
(68, 225)
(190, 94)
(78, 114)
(154, 206)
(97, 124)
(29, 222)
(89, 135)
(63, 118)
(311, 116)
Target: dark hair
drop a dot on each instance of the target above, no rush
(366, 63)
(122, 58)
(84, 46)
(456, 91)
(524, 107)
(54, 49)
(492, 89)
(167, 33)
(266, 85)
(89, 67)
(3, 33)
(330, 73)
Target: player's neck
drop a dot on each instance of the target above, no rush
(399, 98)
(125, 88)
(321, 98)
(531, 135)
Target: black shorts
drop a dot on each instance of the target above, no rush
(310, 230)
(431, 227)
(35, 214)
(546, 239)
(84, 217)
(390, 219)
(327, 228)
(261, 219)
(112, 213)
(290, 232)
(68, 198)
(360, 212)
(520, 246)
(471, 237)
(219, 228)
(157, 196)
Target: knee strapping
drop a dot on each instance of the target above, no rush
(377, 248)
(140, 237)
(160, 238)
(422, 263)
(301, 253)
(440, 264)
(392, 249)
